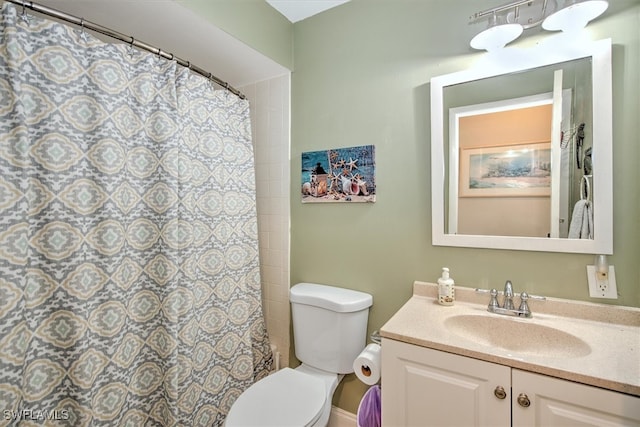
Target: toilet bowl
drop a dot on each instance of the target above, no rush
(329, 329)
(298, 397)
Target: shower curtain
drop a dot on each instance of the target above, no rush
(129, 277)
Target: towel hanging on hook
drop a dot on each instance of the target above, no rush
(581, 226)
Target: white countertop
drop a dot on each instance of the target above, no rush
(611, 332)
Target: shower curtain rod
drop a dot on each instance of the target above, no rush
(123, 38)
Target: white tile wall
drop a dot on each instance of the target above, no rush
(270, 102)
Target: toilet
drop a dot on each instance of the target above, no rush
(329, 330)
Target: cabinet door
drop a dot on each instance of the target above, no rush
(424, 387)
(556, 402)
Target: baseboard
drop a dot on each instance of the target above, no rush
(341, 418)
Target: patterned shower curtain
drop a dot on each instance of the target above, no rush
(129, 277)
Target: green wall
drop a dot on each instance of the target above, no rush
(253, 22)
(361, 76)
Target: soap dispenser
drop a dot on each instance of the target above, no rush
(446, 291)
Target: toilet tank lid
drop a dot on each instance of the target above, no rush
(331, 298)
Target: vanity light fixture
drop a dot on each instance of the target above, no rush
(497, 35)
(506, 22)
(575, 15)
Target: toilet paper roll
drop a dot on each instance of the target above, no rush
(367, 364)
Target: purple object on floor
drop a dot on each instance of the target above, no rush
(369, 410)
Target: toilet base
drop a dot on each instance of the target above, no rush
(331, 382)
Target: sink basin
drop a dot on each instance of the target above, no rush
(517, 336)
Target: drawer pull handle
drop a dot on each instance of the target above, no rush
(500, 393)
(523, 400)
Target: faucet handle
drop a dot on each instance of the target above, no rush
(493, 303)
(524, 307)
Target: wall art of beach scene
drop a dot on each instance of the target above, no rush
(506, 171)
(339, 175)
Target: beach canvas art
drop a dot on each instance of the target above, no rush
(339, 175)
(514, 170)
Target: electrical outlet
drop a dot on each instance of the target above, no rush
(602, 290)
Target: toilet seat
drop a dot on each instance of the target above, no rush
(285, 398)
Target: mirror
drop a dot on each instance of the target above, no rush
(519, 151)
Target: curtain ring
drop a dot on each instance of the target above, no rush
(159, 58)
(131, 51)
(83, 35)
(24, 17)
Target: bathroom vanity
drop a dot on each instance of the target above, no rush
(572, 363)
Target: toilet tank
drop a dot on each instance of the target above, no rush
(329, 325)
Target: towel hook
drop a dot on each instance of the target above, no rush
(585, 188)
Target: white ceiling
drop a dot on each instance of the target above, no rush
(297, 10)
(167, 25)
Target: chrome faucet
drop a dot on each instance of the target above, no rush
(508, 296)
(508, 307)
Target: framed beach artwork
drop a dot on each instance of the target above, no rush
(339, 175)
(519, 170)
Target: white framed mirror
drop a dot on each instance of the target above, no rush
(503, 181)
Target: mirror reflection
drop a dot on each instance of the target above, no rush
(500, 147)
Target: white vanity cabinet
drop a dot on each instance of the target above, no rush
(426, 387)
(557, 402)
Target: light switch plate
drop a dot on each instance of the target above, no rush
(610, 292)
